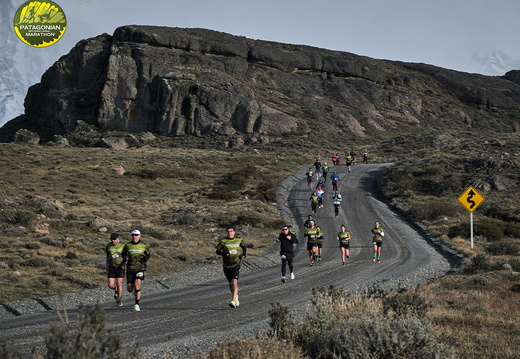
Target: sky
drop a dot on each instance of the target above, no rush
(444, 33)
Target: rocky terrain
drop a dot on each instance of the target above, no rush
(197, 82)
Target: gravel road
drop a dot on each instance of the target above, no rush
(186, 312)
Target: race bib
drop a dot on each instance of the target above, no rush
(233, 251)
(139, 275)
(115, 255)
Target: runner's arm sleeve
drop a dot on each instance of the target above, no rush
(220, 250)
(244, 249)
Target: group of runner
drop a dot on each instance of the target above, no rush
(131, 257)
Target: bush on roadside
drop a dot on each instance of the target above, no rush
(503, 248)
(434, 210)
(372, 324)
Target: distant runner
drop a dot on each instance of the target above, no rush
(377, 235)
(344, 243)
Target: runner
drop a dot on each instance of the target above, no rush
(320, 193)
(319, 243)
(317, 168)
(287, 240)
(314, 201)
(336, 200)
(308, 221)
(344, 243)
(334, 177)
(309, 174)
(114, 267)
(136, 255)
(349, 161)
(377, 235)
(233, 250)
(311, 233)
(325, 171)
(334, 159)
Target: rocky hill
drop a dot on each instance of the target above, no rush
(197, 82)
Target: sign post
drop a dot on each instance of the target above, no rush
(471, 199)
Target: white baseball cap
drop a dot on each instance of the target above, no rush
(136, 231)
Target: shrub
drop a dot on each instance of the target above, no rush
(38, 262)
(88, 337)
(492, 229)
(221, 192)
(434, 210)
(19, 217)
(515, 264)
(256, 348)
(480, 262)
(459, 230)
(9, 351)
(503, 248)
(375, 338)
(512, 229)
(405, 303)
(281, 322)
(479, 281)
(360, 327)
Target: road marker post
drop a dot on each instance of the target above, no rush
(471, 199)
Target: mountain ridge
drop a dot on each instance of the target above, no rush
(199, 82)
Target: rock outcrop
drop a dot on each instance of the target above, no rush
(178, 82)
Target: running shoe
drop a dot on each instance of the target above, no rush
(292, 275)
(115, 295)
(342, 263)
(237, 303)
(312, 263)
(119, 303)
(232, 304)
(136, 308)
(283, 279)
(378, 261)
(374, 260)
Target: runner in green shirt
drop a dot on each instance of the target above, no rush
(135, 254)
(114, 267)
(312, 244)
(344, 243)
(377, 235)
(233, 250)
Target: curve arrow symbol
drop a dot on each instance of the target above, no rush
(469, 199)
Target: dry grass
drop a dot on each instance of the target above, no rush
(477, 315)
(165, 192)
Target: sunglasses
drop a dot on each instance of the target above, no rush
(135, 235)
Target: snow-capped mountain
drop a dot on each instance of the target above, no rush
(496, 63)
(20, 65)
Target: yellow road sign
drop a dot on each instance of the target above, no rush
(471, 199)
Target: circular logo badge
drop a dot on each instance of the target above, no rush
(40, 23)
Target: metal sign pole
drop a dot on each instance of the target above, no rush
(471, 227)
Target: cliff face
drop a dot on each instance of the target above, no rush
(179, 82)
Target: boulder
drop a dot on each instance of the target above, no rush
(26, 136)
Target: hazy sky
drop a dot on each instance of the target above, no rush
(444, 33)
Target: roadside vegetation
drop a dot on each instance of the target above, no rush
(59, 205)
